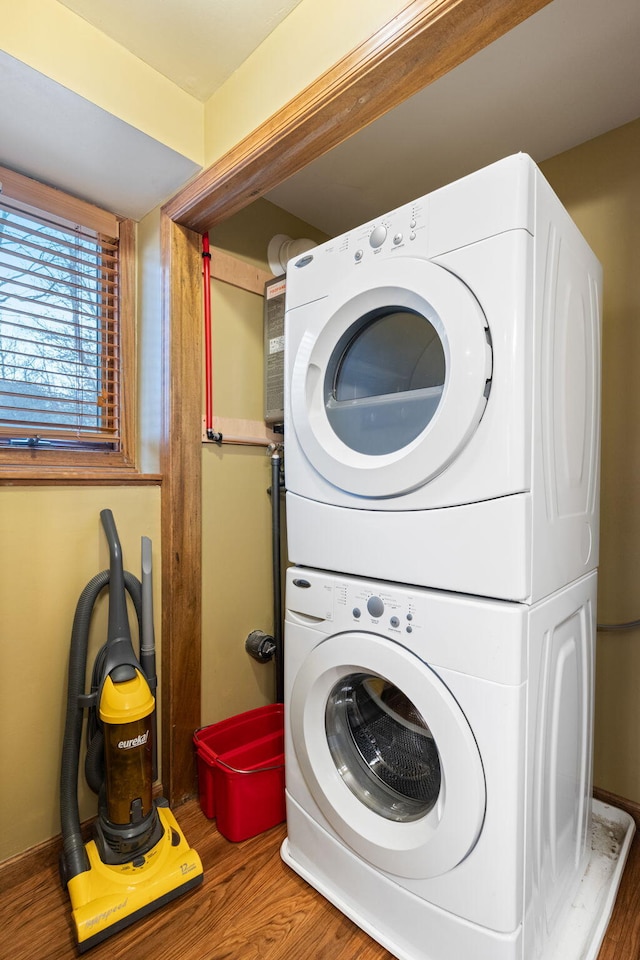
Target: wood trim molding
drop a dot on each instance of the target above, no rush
(242, 432)
(621, 803)
(26, 190)
(238, 272)
(181, 506)
(425, 41)
(422, 43)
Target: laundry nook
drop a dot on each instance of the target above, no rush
(320, 480)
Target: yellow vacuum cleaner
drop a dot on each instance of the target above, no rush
(139, 859)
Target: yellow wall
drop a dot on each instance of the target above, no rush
(51, 545)
(298, 51)
(236, 556)
(599, 183)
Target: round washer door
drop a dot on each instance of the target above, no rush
(388, 755)
(387, 390)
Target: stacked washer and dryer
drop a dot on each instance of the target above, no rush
(442, 410)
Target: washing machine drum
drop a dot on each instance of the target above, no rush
(383, 747)
(390, 379)
(388, 755)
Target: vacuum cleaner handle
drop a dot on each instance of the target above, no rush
(118, 626)
(120, 660)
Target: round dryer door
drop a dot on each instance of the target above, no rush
(388, 755)
(388, 389)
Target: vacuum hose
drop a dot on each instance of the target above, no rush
(75, 859)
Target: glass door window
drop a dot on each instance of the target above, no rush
(382, 747)
(385, 380)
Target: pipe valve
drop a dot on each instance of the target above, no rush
(261, 646)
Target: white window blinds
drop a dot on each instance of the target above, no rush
(59, 331)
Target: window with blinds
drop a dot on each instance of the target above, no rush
(59, 334)
(67, 336)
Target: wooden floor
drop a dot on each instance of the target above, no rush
(249, 907)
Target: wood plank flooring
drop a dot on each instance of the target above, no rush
(249, 907)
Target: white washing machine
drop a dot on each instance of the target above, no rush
(442, 395)
(438, 761)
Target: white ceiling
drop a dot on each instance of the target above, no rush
(197, 44)
(55, 136)
(567, 74)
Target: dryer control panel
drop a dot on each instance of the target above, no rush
(395, 231)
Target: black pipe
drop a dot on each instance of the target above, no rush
(277, 573)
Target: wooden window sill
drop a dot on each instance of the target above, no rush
(69, 476)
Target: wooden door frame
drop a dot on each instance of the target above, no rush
(422, 43)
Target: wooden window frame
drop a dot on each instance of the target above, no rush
(40, 465)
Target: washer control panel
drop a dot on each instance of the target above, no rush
(388, 610)
(481, 638)
(347, 602)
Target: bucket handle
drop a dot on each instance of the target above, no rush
(277, 766)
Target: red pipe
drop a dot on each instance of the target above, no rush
(208, 375)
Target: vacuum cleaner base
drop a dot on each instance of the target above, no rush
(106, 899)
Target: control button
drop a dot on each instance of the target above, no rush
(397, 239)
(394, 622)
(299, 582)
(409, 616)
(412, 235)
(409, 629)
(413, 224)
(378, 236)
(357, 612)
(358, 256)
(375, 606)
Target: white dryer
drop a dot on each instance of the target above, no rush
(442, 395)
(438, 761)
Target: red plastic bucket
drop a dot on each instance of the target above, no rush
(241, 771)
